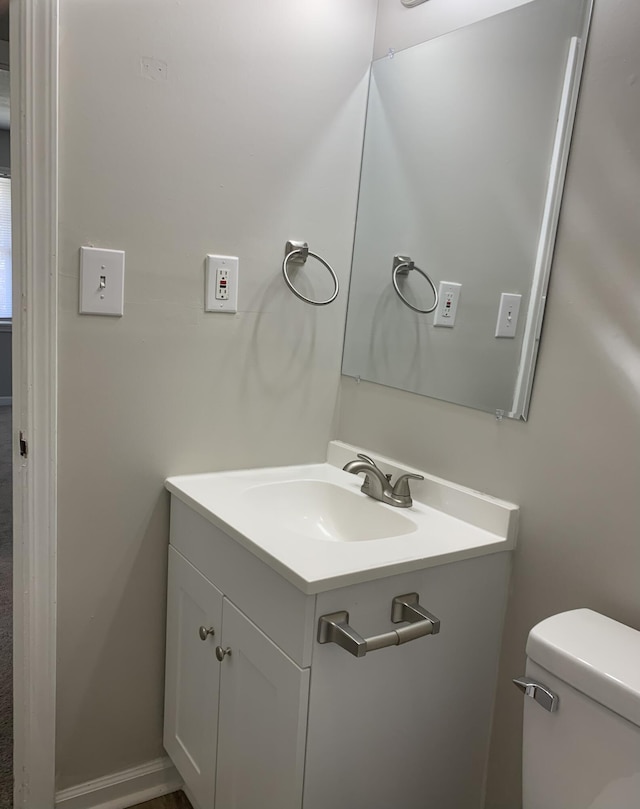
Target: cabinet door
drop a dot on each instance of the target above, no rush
(264, 698)
(192, 677)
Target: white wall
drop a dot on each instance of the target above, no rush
(253, 138)
(574, 466)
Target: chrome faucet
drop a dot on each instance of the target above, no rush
(378, 485)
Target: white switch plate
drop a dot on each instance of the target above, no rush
(448, 297)
(221, 284)
(508, 315)
(101, 282)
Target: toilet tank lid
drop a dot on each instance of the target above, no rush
(593, 654)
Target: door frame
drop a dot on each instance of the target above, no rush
(34, 157)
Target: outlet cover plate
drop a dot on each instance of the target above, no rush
(213, 303)
(448, 297)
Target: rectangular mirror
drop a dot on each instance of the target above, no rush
(465, 151)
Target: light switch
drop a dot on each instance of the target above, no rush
(508, 315)
(221, 284)
(101, 282)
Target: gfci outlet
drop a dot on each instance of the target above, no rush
(448, 297)
(221, 284)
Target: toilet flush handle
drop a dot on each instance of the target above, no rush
(536, 690)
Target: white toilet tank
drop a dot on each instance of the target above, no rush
(585, 754)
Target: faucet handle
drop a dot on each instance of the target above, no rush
(366, 458)
(401, 489)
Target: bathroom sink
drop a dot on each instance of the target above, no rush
(313, 525)
(321, 510)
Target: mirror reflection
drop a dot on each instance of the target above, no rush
(465, 150)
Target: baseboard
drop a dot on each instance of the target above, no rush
(123, 789)
(6, 401)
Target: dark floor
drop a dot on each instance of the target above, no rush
(6, 615)
(177, 800)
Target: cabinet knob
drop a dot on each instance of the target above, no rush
(204, 632)
(220, 652)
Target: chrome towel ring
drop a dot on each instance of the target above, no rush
(402, 265)
(296, 253)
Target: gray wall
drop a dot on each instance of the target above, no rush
(266, 102)
(574, 467)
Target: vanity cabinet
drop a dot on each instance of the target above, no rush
(192, 676)
(234, 727)
(284, 722)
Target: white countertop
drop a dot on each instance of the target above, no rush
(447, 523)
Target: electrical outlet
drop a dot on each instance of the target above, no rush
(448, 297)
(221, 284)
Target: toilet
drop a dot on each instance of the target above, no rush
(581, 742)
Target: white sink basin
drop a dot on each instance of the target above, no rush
(321, 510)
(313, 525)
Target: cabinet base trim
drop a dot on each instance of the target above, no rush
(123, 789)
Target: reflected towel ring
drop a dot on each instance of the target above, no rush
(402, 265)
(297, 253)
